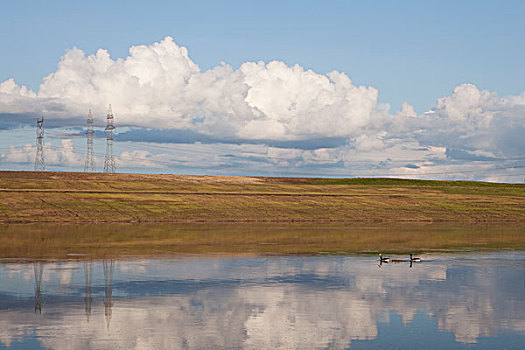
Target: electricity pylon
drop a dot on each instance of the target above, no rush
(39, 269)
(109, 162)
(88, 274)
(90, 157)
(40, 164)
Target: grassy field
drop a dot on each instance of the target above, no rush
(49, 241)
(96, 197)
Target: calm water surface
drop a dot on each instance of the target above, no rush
(452, 300)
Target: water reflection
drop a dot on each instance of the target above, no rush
(39, 270)
(109, 266)
(88, 275)
(457, 300)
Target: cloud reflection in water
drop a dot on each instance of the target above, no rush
(266, 302)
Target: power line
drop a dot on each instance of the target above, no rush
(263, 156)
(355, 172)
(242, 157)
(510, 175)
(152, 145)
(172, 161)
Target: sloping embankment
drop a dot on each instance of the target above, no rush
(97, 197)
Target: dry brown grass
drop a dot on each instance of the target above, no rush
(96, 197)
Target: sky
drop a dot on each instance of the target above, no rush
(422, 89)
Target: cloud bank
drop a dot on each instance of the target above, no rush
(158, 89)
(159, 86)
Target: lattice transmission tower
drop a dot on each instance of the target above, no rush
(39, 269)
(109, 162)
(40, 164)
(109, 266)
(88, 274)
(90, 157)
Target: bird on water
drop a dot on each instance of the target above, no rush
(381, 259)
(414, 259)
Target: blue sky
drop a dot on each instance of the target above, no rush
(209, 110)
(413, 51)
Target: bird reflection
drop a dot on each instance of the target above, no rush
(383, 260)
(414, 259)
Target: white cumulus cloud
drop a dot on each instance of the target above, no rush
(160, 86)
(291, 110)
(63, 155)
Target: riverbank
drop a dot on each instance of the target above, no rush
(96, 197)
